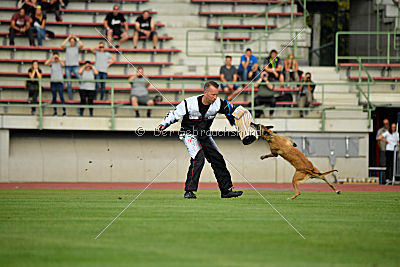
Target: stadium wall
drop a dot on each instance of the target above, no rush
(105, 156)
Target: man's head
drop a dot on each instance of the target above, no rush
(56, 56)
(38, 11)
(115, 10)
(386, 123)
(146, 14)
(139, 71)
(21, 12)
(273, 53)
(210, 92)
(88, 65)
(307, 76)
(393, 127)
(72, 41)
(228, 60)
(101, 45)
(291, 56)
(248, 52)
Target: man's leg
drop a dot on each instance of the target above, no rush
(124, 37)
(60, 87)
(155, 39)
(193, 174)
(90, 96)
(135, 39)
(103, 76)
(12, 36)
(53, 87)
(302, 104)
(68, 76)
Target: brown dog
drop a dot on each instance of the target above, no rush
(283, 146)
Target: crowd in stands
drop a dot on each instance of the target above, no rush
(274, 73)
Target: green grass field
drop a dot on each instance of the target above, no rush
(57, 227)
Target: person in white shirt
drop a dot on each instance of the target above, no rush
(391, 138)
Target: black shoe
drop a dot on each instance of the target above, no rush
(137, 114)
(189, 194)
(230, 193)
(148, 114)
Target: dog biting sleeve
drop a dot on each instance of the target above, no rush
(243, 119)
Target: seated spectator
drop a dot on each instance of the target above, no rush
(20, 23)
(87, 89)
(227, 74)
(33, 86)
(57, 76)
(248, 67)
(144, 26)
(103, 61)
(39, 24)
(291, 69)
(71, 59)
(273, 66)
(113, 22)
(265, 96)
(140, 92)
(52, 6)
(306, 92)
(391, 138)
(29, 6)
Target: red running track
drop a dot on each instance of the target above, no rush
(259, 186)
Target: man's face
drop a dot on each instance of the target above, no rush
(211, 95)
(393, 127)
(248, 53)
(146, 15)
(115, 10)
(101, 46)
(72, 42)
(273, 54)
(21, 13)
(308, 77)
(228, 61)
(140, 73)
(386, 124)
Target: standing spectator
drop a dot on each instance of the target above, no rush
(87, 88)
(144, 26)
(228, 73)
(391, 138)
(265, 96)
(382, 144)
(113, 22)
(103, 61)
(52, 6)
(39, 24)
(71, 59)
(291, 69)
(20, 23)
(57, 76)
(29, 6)
(306, 92)
(248, 67)
(140, 92)
(273, 66)
(33, 86)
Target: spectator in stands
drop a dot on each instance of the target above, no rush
(306, 92)
(391, 138)
(71, 59)
(39, 25)
(20, 23)
(140, 91)
(382, 144)
(57, 76)
(103, 61)
(52, 6)
(144, 26)
(113, 22)
(291, 69)
(265, 95)
(273, 66)
(29, 6)
(248, 67)
(87, 89)
(33, 86)
(228, 76)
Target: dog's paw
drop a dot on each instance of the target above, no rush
(262, 157)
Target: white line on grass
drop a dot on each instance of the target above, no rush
(291, 41)
(133, 200)
(130, 63)
(266, 200)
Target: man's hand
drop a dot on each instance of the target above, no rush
(160, 128)
(230, 86)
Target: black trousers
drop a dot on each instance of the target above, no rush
(210, 152)
(389, 164)
(87, 97)
(264, 100)
(28, 33)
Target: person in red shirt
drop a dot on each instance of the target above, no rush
(20, 23)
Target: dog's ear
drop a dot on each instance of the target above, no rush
(294, 144)
(255, 126)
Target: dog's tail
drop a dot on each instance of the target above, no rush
(321, 173)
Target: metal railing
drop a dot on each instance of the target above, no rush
(263, 36)
(113, 104)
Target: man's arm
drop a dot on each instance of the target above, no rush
(14, 26)
(112, 61)
(227, 108)
(173, 116)
(65, 41)
(94, 48)
(106, 23)
(47, 63)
